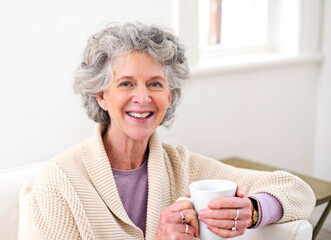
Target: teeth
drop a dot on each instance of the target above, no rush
(140, 115)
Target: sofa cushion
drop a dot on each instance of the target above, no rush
(25, 231)
(11, 181)
(296, 230)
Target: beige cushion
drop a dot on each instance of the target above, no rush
(11, 181)
(24, 220)
(296, 230)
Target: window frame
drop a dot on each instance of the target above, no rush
(305, 42)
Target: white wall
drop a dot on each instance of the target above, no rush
(40, 46)
(322, 164)
(266, 115)
(263, 115)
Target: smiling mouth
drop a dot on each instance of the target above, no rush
(140, 115)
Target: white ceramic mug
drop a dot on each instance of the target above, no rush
(202, 192)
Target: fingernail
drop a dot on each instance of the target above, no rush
(211, 205)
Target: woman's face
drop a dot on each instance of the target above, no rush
(137, 98)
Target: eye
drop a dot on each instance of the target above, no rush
(125, 84)
(156, 84)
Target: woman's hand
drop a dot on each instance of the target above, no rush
(171, 224)
(222, 212)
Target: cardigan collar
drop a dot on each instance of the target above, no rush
(99, 170)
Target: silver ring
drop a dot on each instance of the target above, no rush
(235, 225)
(183, 217)
(186, 228)
(236, 218)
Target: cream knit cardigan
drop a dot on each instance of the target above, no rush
(75, 196)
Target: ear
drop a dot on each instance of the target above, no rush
(101, 100)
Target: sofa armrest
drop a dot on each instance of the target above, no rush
(11, 181)
(296, 230)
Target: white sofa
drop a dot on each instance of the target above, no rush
(12, 180)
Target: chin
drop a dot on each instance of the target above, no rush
(141, 135)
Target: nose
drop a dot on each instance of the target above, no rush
(141, 95)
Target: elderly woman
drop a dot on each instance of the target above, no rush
(122, 183)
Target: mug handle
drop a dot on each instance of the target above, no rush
(185, 198)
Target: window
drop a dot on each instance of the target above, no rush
(232, 24)
(235, 26)
(248, 31)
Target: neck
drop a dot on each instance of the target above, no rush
(124, 153)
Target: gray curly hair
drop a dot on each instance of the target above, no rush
(106, 47)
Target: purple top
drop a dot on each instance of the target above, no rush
(132, 186)
(271, 209)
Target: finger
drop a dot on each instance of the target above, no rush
(178, 206)
(192, 219)
(232, 202)
(241, 190)
(187, 229)
(178, 231)
(243, 213)
(226, 233)
(184, 237)
(179, 217)
(225, 224)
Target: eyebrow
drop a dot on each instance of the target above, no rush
(132, 78)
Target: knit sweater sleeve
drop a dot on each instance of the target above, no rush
(55, 209)
(296, 197)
